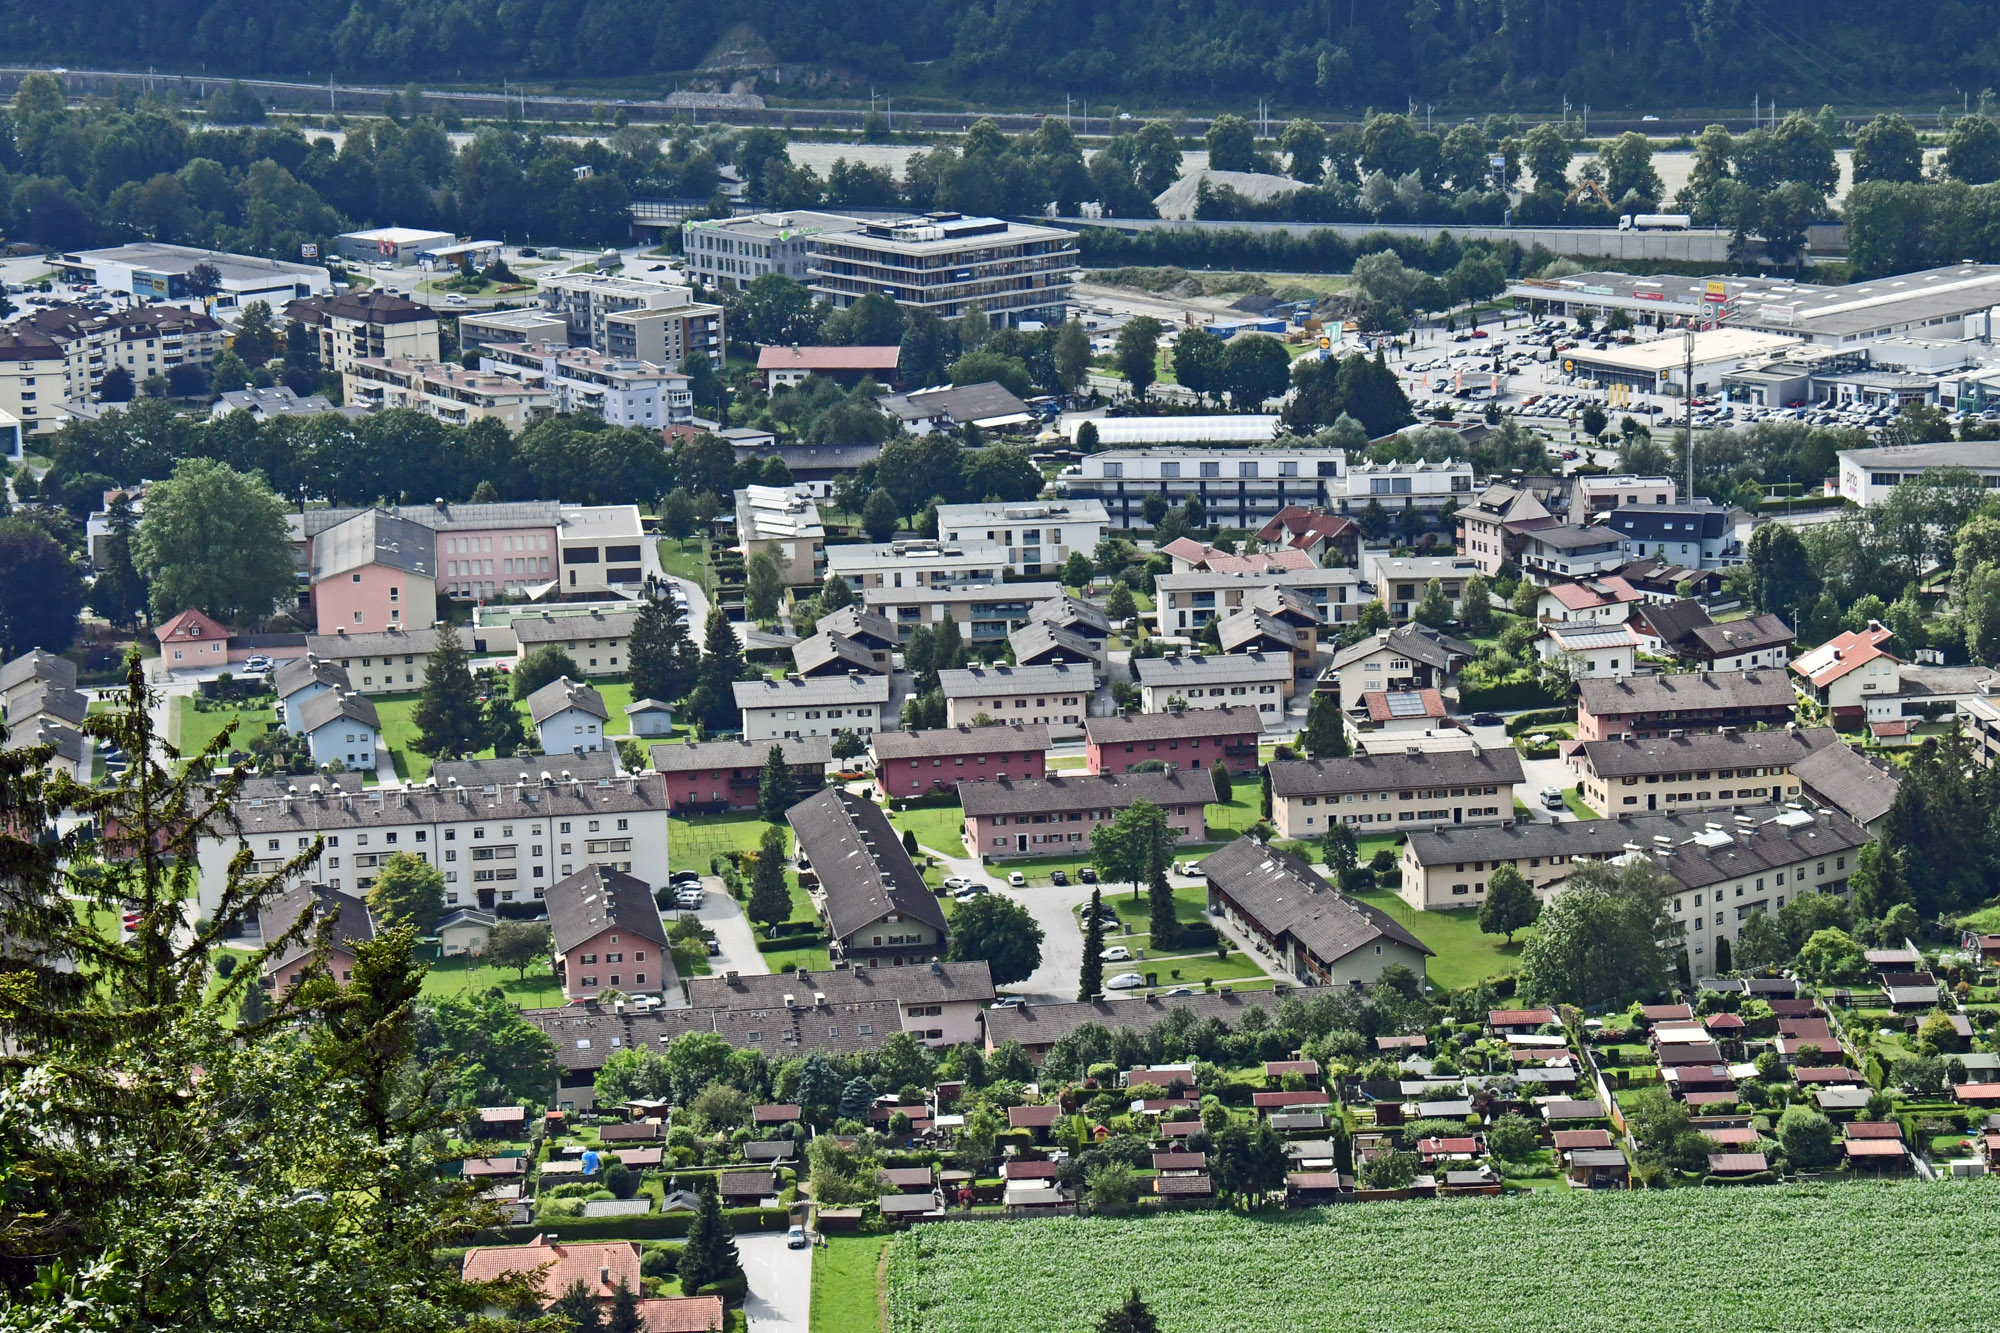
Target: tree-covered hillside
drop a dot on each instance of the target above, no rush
(1615, 54)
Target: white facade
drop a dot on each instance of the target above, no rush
(731, 253)
(622, 392)
(1868, 475)
(570, 730)
(1407, 485)
(919, 564)
(1239, 485)
(1609, 652)
(775, 709)
(1057, 697)
(1038, 534)
(343, 738)
(1262, 681)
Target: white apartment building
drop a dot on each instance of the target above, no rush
(1241, 486)
(1591, 496)
(1038, 534)
(1057, 697)
(500, 843)
(623, 393)
(812, 706)
(634, 320)
(1406, 485)
(732, 253)
(449, 393)
(919, 564)
(984, 612)
(1236, 680)
(946, 263)
(1185, 602)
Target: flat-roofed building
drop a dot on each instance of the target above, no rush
(728, 254)
(1420, 485)
(1402, 581)
(1606, 651)
(1320, 936)
(985, 612)
(1039, 534)
(1654, 705)
(947, 263)
(773, 709)
(156, 269)
(623, 391)
(1403, 791)
(1591, 496)
(452, 394)
(915, 763)
(1190, 739)
(1186, 602)
(1056, 697)
(484, 328)
(1554, 555)
(1868, 476)
(1243, 484)
(633, 319)
(783, 522)
(1256, 680)
(1055, 816)
(1705, 770)
(918, 564)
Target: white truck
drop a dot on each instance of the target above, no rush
(1654, 222)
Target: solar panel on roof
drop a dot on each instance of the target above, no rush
(1405, 703)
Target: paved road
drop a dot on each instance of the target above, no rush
(780, 1283)
(721, 914)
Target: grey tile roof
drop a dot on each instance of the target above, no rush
(863, 870)
(300, 672)
(337, 706)
(1283, 896)
(352, 922)
(1673, 621)
(449, 517)
(976, 682)
(552, 628)
(1039, 638)
(1396, 772)
(1569, 537)
(864, 627)
(37, 665)
(936, 983)
(1742, 636)
(421, 642)
(52, 699)
(1631, 757)
(942, 742)
(827, 649)
(279, 806)
(799, 752)
(968, 402)
(595, 899)
(812, 692)
(1250, 626)
(1131, 728)
(561, 693)
(776, 1031)
(69, 742)
(374, 537)
(1094, 791)
(1705, 690)
(1034, 1024)
(586, 767)
(1073, 613)
(1226, 669)
(1847, 780)
(1419, 643)
(1286, 605)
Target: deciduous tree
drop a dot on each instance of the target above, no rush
(215, 539)
(1000, 931)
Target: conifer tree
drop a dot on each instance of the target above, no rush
(1164, 925)
(663, 659)
(1091, 982)
(448, 718)
(777, 789)
(770, 900)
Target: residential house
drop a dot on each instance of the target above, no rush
(1258, 680)
(291, 926)
(1075, 616)
(608, 935)
(865, 628)
(46, 701)
(1038, 643)
(914, 763)
(1056, 815)
(940, 1004)
(796, 706)
(1408, 657)
(1039, 535)
(1762, 642)
(876, 906)
(373, 573)
(1396, 712)
(1187, 601)
(1195, 738)
(1401, 582)
(602, 1267)
(1196, 557)
(618, 390)
(1704, 770)
(1724, 869)
(1605, 652)
(192, 641)
(786, 366)
(633, 318)
(985, 612)
(340, 726)
(70, 750)
(1297, 613)
(1655, 705)
(1318, 533)
(569, 718)
(712, 776)
(1697, 536)
(1494, 524)
(949, 408)
(783, 523)
(830, 654)
(599, 642)
(1666, 628)
(299, 679)
(1056, 697)
(1852, 675)
(1403, 791)
(1609, 600)
(1841, 778)
(385, 662)
(1322, 937)
(1552, 555)
(34, 670)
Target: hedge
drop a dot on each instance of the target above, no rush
(928, 801)
(652, 1226)
(1197, 935)
(1506, 697)
(1526, 722)
(785, 942)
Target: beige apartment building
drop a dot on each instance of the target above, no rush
(1057, 697)
(1403, 791)
(354, 326)
(784, 523)
(58, 357)
(1701, 771)
(449, 393)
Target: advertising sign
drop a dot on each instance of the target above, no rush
(308, 251)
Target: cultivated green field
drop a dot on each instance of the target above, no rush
(1868, 1256)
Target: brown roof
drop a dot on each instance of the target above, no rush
(1196, 1186)
(1875, 1148)
(906, 1177)
(364, 307)
(739, 1183)
(1280, 1068)
(947, 742)
(1395, 772)
(717, 755)
(597, 898)
(494, 1166)
(680, 1314)
(1519, 1018)
(863, 870)
(1567, 1139)
(780, 357)
(1706, 690)
(1735, 1163)
(567, 1263)
(1661, 1013)
(1732, 1136)
(1032, 1117)
(1873, 1129)
(1179, 1161)
(774, 1114)
(1085, 791)
(1130, 728)
(638, 1131)
(1028, 1170)
(1825, 1074)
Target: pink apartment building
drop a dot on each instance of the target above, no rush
(912, 763)
(352, 925)
(608, 935)
(1193, 739)
(374, 572)
(723, 775)
(479, 550)
(1054, 816)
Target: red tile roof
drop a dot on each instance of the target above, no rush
(1567, 1139)
(680, 1314)
(1378, 704)
(1875, 1148)
(1874, 1129)
(1519, 1018)
(567, 1263)
(190, 625)
(1842, 654)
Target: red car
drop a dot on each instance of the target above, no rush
(1479, 333)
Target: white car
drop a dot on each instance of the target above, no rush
(689, 898)
(1117, 953)
(958, 884)
(1016, 880)
(1125, 981)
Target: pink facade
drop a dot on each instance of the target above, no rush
(612, 959)
(732, 788)
(339, 965)
(914, 777)
(1064, 832)
(490, 562)
(374, 598)
(1237, 749)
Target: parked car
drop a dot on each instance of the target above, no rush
(968, 893)
(1016, 879)
(1086, 874)
(958, 883)
(1485, 719)
(1058, 877)
(1007, 1002)
(1552, 798)
(258, 663)
(690, 898)
(1125, 981)
(1117, 953)
(795, 1239)
(680, 877)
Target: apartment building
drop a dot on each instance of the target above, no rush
(877, 908)
(1725, 870)
(449, 393)
(512, 547)
(56, 358)
(1322, 937)
(1038, 534)
(819, 706)
(1425, 789)
(621, 392)
(500, 843)
(1055, 816)
(1853, 675)
(1185, 602)
(1694, 536)
(985, 612)
(354, 326)
(1705, 770)
(607, 936)
(1592, 496)
(1255, 680)
(946, 263)
(1038, 643)
(1655, 705)
(1190, 739)
(381, 662)
(1402, 581)
(728, 254)
(1494, 524)
(713, 776)
(914, 763)
(918, 564)
(1406, 485)
(1239, 486)
(784, 523)
(634, 320)
(1056, 697)
(1554, 555)
(374, 572)
(484, 328)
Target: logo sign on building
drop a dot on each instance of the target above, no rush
(386, 248)
(150, 284)
(308, 251)
(1716, 291)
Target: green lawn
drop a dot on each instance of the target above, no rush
(937, 829)
(1237, 815)
(472, 976)
(846, 1295)
(192, 728)
(1464, 956)
(1577, 806)
(687, 560)
(1069, 763)
(1192, 965)
(1985, 921)
(692, 841)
